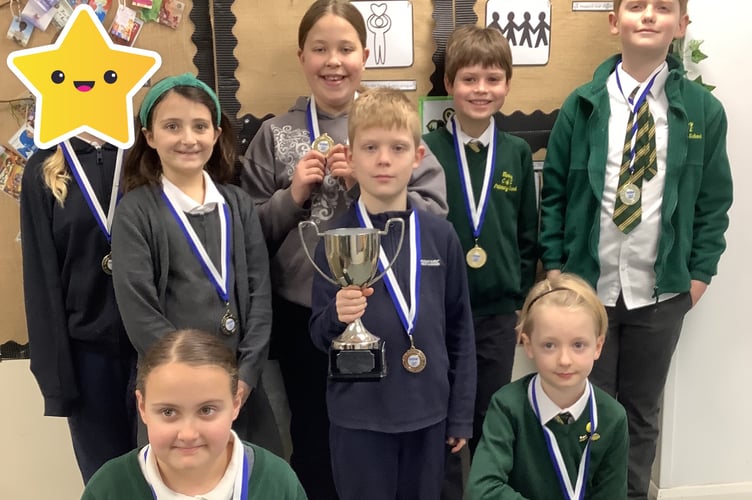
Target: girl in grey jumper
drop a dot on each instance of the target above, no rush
(188, 251)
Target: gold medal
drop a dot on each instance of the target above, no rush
(228, 324)
(323, 144)
(629, 194)
(414, 360)
(476, 257)
(107, 264)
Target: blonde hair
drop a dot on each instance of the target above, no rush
(56, 175)
(469, 45)
(383, 108)
(567, 291)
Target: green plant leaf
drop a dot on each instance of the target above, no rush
(695, 53)
(706, 85)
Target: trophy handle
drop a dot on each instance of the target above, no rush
(302, 225)
(399, 245)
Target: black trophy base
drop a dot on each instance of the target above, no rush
(357, 365)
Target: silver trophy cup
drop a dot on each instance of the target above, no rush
(352, 255)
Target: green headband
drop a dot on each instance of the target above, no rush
(162, 86)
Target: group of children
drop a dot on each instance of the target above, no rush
(188, 251)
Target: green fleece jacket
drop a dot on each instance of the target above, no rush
(696, 197)
(512, 461)
(121, 478)
(510, 228)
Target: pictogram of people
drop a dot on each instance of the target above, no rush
(525, 28)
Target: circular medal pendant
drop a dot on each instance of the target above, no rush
(229, 324)
(107, 264)
(414, 360)
(476, 257)
(629, 194)
(323, 144)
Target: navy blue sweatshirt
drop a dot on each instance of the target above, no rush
(70, 301)
(404, 401)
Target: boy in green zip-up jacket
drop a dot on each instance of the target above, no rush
(670, 175)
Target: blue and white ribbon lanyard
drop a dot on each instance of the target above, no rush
(406, 314)
(219, 278)
(242, 477)
(104, 221)
(634, 106)
(476, 257)
(570, 493)
(312, 118)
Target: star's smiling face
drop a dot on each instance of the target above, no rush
(84, 82)
(109, 77)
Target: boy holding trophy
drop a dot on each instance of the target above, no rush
(388, 438)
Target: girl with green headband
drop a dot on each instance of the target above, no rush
(187, 246)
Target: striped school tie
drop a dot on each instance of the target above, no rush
(628, 206)
(564, 418)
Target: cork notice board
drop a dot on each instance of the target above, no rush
(270, 75)
(270, 78)
(177, 53)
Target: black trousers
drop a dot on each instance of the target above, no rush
(495, 342)
(304, 373)
(633, 368)
(103, 420)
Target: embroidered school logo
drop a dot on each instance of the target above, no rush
(692, 133)
(430, 262)
(507, 183)
(84, 82)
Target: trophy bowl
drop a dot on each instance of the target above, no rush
(353, 255)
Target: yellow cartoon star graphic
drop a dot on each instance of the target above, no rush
(84, 82)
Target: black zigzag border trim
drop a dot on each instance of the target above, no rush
(443, 14)
(14, 350)
(446, 15)
(203, 39)
(464, 12)
(226, 62)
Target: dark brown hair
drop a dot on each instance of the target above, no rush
(469, 45)
(341, 8)
(142, 165)
(191, 347)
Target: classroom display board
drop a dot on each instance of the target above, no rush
(575, 41)
(556, 45)
(169, 33)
